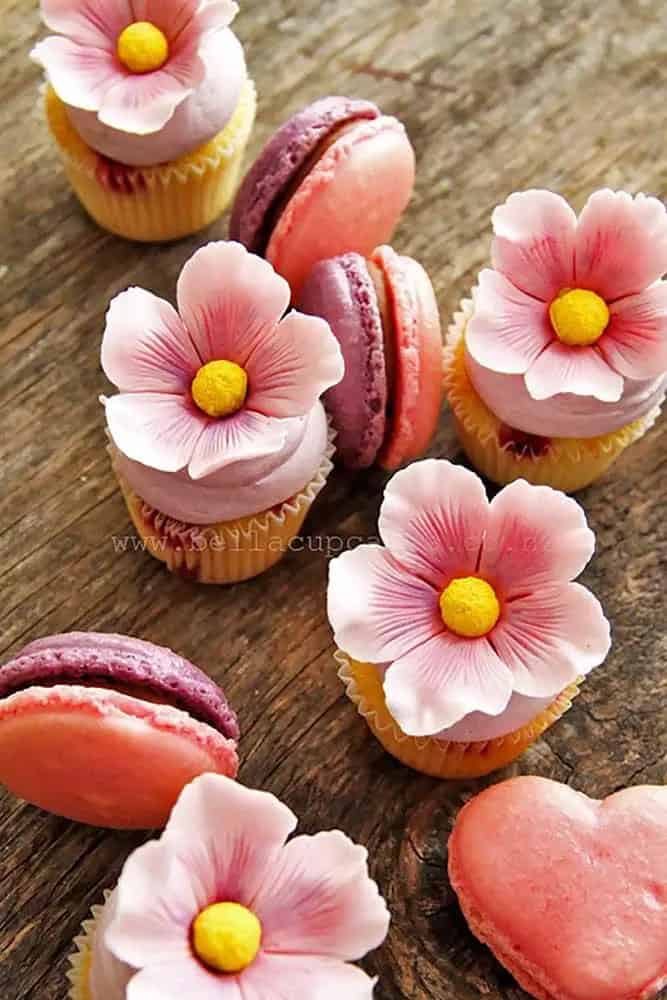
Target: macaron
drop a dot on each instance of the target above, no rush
(335, 178)
(570, 893)
(385, 316)
(108, 729)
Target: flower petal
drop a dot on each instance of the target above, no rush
(292, 365)
(90, 22)
(145, 347)
(433, 518)
(579, 370)
(183, 980)
(621, 243)
(230, 834)
(319, 900)
(158, 430)
(230, 300)
(377, 610)
(551, 637)
(534, 242)
(443, 680)
(508, 329)
(635, 342)
(81, 75)
(286, 977)
(190, 17)
(536, 536)
(237, 438)
(156, 902)
(143, 103)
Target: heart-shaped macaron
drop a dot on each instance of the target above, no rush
(568, 892)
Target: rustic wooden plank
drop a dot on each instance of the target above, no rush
(561, 93)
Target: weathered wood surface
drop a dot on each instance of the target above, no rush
(568, 94)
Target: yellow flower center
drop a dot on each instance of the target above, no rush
(469, 607)
(220, 388)
(142, 47)
(226, 937)
(578, 316)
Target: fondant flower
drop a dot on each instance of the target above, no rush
(574, 305)
(131, 61)
(470, 601)
(220, 382)
(222, 908)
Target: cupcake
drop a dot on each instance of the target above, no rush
(219, 440)
(559, 361)
(223, 906)
(151, 107)
(464, 639)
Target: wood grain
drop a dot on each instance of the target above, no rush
(567, 94)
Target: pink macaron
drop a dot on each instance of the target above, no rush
(384, 314)
(570, 893)
(335, 178)
(108, 729)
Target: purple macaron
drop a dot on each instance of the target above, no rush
(335, 178)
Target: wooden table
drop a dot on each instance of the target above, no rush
(566, 94)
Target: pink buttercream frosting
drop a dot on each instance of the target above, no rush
(200, 117)
(564, 415)
(238, 490)
(478, 727)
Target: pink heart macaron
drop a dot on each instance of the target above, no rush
(384, 314)
(568, 892)
(108, 729)
(336, 177)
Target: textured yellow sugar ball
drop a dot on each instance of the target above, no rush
(220, 388)
(226, 937)
(469, 607)
(579, 317)
(142, 47)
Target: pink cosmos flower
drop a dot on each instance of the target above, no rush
(131, 61)
(470, 601)
(300, 911)
(574, 305)
(220, 382)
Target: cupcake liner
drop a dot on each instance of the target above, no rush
(568, 464)
(439, 758)
(164, 202)
(80, 959)
(229, 551)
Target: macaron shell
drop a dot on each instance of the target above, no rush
(351, 200)
(343, 293)
(569, 893)
(405, 401)
(104, 660)
(100, 757)
(281, 161)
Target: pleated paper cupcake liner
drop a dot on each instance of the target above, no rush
(440, 758)
(165, 202)
(229, 551)
(81, 958)
(568, 464)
